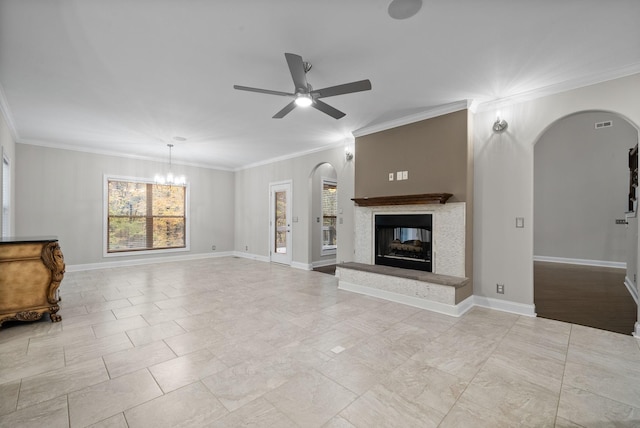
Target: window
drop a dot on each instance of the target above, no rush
(145, 216)
(6, 197)
(329, 216)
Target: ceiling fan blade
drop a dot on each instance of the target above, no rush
(347, 88)
(263, 91)
(296, 67)
(282, 113)
(326, 108)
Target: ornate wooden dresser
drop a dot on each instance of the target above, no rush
(30, 273)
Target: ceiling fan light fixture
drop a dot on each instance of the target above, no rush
(303, 100)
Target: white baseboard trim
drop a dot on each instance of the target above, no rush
(302, 266)
(148, 261)
(632, 288)
(322, 263)
(452, 310)
(505, 306)
(583, 262)
(250, 256)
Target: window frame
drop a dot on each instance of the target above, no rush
(6, 191)
(105, 220)
(329, 250)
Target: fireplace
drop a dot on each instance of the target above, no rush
(404, 240)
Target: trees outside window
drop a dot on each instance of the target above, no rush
(145, 216)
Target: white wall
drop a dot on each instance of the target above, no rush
(252, 205)
(7, 146)
(60, 192)
(504, 180)
(581, 183)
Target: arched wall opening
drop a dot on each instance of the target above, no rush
(323, 209)
(583, 246)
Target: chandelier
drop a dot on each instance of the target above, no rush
(169, 178)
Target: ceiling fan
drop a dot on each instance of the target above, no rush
(304, 94)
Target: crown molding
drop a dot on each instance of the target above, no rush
(94, 151)
(340, 143)
(417, 117)
(557, 88)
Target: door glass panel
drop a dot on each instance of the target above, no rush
(281, 222)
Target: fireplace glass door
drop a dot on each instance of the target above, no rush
(404, 241)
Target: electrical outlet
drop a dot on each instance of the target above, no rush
(391, 176)
(520, 222)
(213, 247)
(500, 288)
(246, 248)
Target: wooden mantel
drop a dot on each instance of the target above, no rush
(427, 198)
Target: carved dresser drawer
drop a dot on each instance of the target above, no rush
(31, 270)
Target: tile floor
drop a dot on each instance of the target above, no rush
(232, 342)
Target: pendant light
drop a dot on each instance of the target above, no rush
(169, 178)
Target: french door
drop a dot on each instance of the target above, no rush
(280, 222)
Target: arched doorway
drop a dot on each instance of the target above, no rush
(323, 239)
(582, 249)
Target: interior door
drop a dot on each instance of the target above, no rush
(280, 222)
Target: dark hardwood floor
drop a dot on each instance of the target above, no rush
(585, 295)
(331, 269)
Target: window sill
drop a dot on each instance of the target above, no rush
(329, 251)
(146, 252)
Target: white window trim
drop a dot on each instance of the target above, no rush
(105, 220)
(327, 250)
(5, 231)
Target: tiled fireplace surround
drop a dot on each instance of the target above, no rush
(445, 290)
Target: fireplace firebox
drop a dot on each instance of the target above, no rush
(404, 240)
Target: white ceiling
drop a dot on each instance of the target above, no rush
(126, 76)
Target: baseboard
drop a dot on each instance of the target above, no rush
(505, 306)
(632, 288)
(250, 256)
(303, 266)
(636, 331)
(583, 262)
(451, 310)
(148, 261)
(323, 263)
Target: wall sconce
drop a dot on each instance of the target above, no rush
(500, 124)
(348, 154)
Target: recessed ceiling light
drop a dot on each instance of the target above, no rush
(179, 138)
(404, 9)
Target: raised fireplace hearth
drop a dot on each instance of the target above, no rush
(404, 241)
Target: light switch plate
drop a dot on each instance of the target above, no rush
(405, 175)
(520, 222)
(399, 175)
(391, 176)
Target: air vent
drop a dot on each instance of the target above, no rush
(605, 124)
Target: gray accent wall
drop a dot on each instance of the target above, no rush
(60, 192)
(581, 181)
(436, 153)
